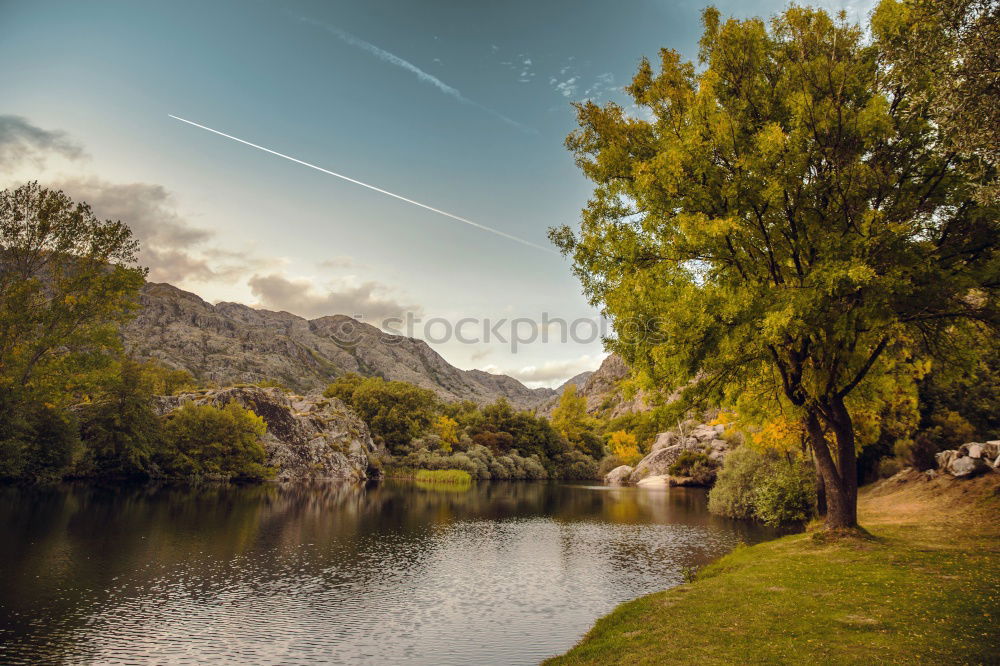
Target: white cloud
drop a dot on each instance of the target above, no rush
(550, 373)
(425, 77)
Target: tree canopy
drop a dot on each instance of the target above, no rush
(785, 220)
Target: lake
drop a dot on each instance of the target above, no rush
(502, 572)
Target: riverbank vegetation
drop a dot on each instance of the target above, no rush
(921, 588)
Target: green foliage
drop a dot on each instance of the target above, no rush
(395, 412)
(764, 487)
(575, 465)
(458, 476)
(206, 441)
(39, 443)
(765, 233)
(67, 280)
(120, 430)
(571, 420)
(948, 50)
(480, 463)
(696, 465)
(162, 380)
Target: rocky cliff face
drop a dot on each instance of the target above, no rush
(230, 343)
(602, 391)
(308, 437)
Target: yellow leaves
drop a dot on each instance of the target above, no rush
(446, 428)
(623, 445)
(780, 433)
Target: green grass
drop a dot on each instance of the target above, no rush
(924, 589)
(456, 476)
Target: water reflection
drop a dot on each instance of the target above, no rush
(497, 573)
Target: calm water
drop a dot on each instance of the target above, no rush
(502, 573)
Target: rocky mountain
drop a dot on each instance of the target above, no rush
(230, 343)
(602, 391)
(577, 381)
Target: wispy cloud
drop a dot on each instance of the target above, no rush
(21, 140)
(424, 77)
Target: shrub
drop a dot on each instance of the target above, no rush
(732, 494)
(696, 465)
(202, 440)
(764, 487)
(607, 464)
(575, 465)
(889, 467)
(786, 494)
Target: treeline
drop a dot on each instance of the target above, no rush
(116, 433)
(72, 404)
(494, 441)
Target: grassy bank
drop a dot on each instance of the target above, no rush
(924, 589)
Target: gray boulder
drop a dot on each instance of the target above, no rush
(657, 463)
(308, 437)
(967, 466)
(618, 476)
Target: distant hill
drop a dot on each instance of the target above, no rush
(601, 389)
(231, 343)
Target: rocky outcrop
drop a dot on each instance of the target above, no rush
(308, 437)
(602, 390)
(669, 446)
(618, 476)
(230, 343)
(970, 459)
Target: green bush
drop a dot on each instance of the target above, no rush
(696, 465)
(786, 494)
(206, 441)
(576, 465)
(888, 467)
(763, 487)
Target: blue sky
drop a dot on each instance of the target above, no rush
(462, 106)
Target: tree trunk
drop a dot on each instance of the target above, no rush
(840, 485)
(820, 491)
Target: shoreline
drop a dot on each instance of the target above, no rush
(932, 562)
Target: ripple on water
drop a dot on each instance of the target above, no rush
(508, 573)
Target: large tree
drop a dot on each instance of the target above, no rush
(785, 218)
(67, 281)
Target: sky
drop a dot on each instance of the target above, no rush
(460, 106)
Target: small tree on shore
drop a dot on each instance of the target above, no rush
(788, 219)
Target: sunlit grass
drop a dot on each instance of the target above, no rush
(925, 589)
(453, 476)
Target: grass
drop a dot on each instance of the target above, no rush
(456, 476)
(925, 588)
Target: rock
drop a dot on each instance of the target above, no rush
(944, 458)
(655, 481)
(703, 433)
(975, 450)
(966, 467)
(618, 476)
(657, 463)
(308, 437)
(663, 440)
(991, 449)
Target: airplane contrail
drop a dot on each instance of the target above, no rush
(370, 187)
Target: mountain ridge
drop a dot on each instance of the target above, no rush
(231, 343)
